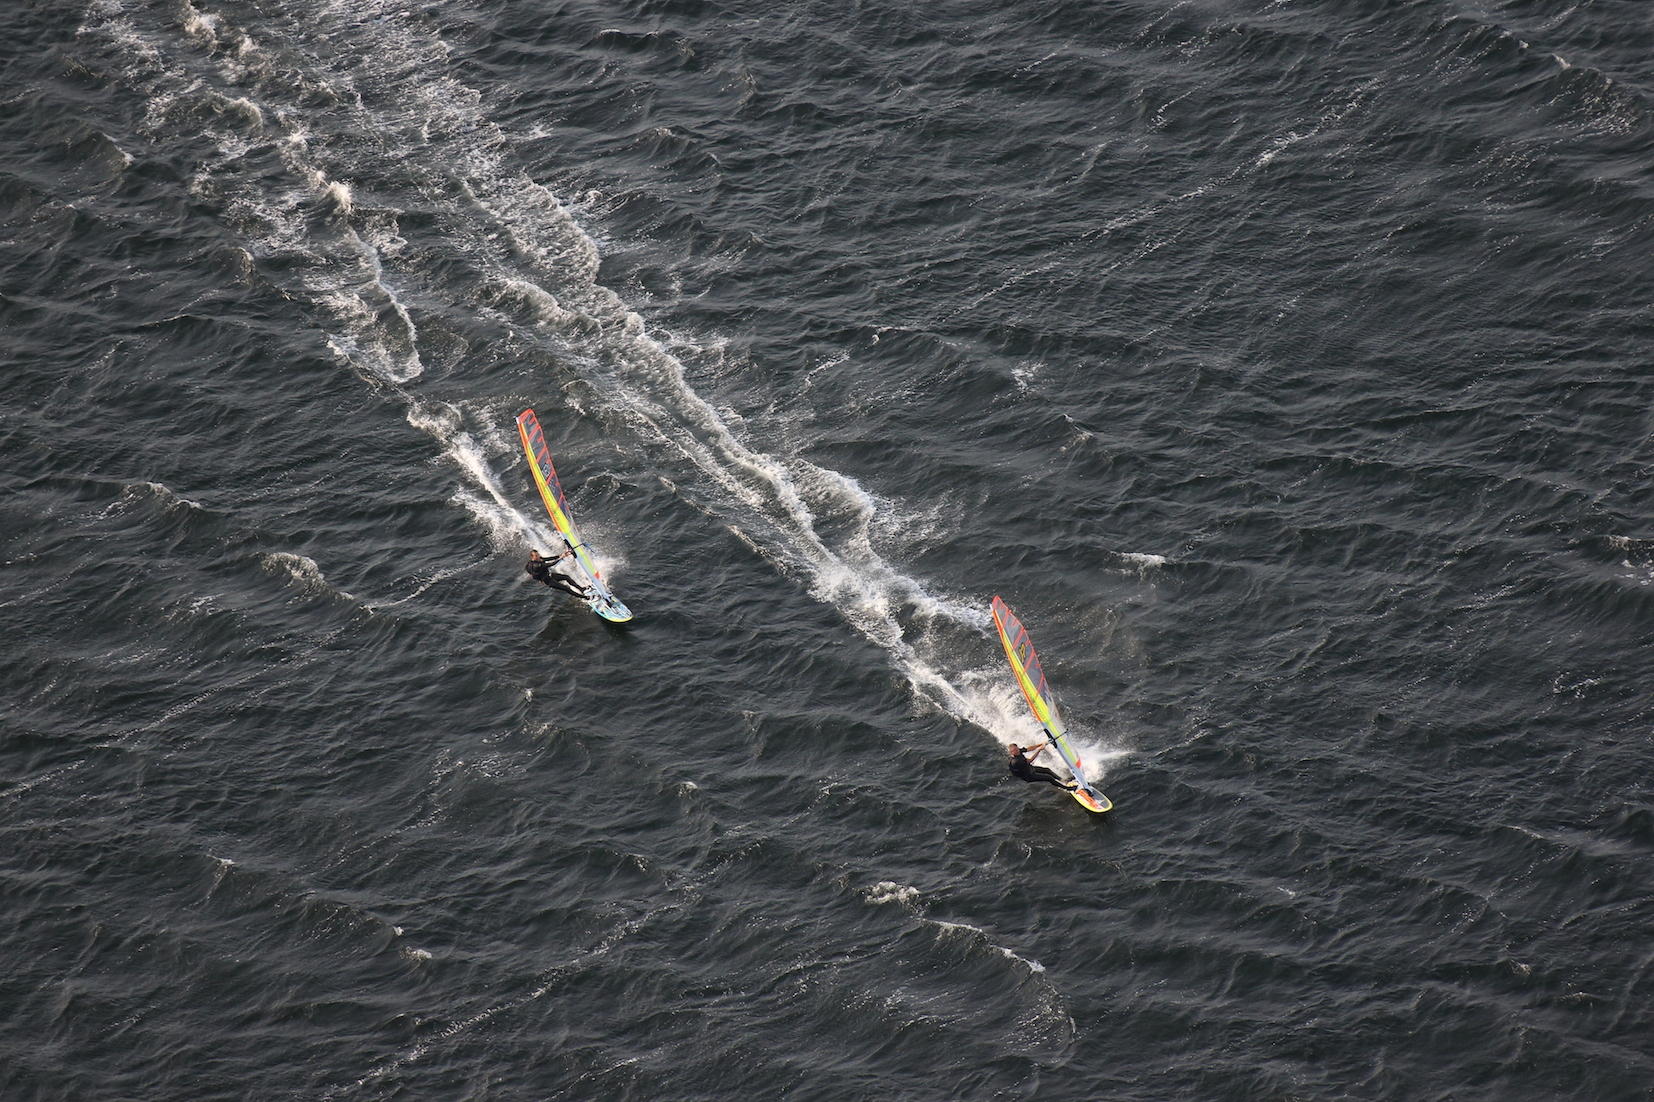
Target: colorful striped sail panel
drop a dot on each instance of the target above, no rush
(1025, 664)
(545, 475)
(605, 603)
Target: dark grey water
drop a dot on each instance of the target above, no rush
(1286, 366)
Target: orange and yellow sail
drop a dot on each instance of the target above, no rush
(605, 604)
(1031, 679)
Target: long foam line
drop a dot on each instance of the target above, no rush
(641, 377)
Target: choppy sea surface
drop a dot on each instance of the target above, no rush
(1286, 366)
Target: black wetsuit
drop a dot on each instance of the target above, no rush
(540, 570)
(1020, 766)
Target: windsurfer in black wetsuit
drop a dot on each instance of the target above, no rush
(1022, 765)
(541, 571)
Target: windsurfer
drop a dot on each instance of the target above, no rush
(1022, 765)
(540, 569)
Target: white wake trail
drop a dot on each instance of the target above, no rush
(392, 104)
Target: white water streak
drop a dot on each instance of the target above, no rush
(529, 249)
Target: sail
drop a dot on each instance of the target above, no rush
(551, 491)
(602, 601)
(1025, 663)
(545, 475)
